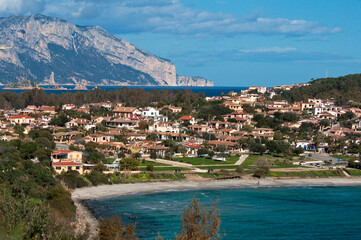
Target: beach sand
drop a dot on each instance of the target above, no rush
(151, 187)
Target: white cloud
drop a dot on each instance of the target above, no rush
(21, 7)
(161, 16)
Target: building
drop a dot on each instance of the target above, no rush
(126, 112)
(150, 113)
(66, 156)
(21, 119)
(190, 119)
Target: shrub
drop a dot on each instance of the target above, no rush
(150, 168)
(240, 170)
(259, 173)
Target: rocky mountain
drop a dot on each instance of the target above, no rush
(49, 50)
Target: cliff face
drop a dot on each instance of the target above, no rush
(193, 81)
(50, 50)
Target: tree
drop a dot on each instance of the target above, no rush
(60, 120)
(325, 123)
(199, 223)
(221, 148)
(137, 155)
(100, 167)
(263, 165)
(257, 147)
(113, 229)
(18, 129)
(153, 155)
(208, 136)
(95, 157)
(298, 150)
(129, 164)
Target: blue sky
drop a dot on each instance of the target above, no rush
(231, 42)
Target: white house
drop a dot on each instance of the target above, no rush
(150, 113)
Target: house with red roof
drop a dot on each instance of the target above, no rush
(66, 155)
(21, 119)
(189, 119)
(192, 149)
(65, 160)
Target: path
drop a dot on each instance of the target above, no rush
(323, 157)
(242, 158)
(177, 164)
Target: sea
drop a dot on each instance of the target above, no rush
(209, 91)
(289, 213)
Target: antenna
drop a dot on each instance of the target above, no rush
(327, 73)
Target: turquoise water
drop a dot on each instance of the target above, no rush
(248, 213)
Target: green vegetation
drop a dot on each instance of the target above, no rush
(33, 204)
(207, 161)
(199, 223)
(163, 168)
(342, 89)
(218, 167)
(305, 174)
(275, 162)
(156, 176)
(353, 172)
(145, 163)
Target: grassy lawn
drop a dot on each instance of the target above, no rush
(109, 160)
(250, 162)
(346, 158)
(218, 167)
(205, 161)
(325, 173)
(162, 168)
(145, 163)
(150, 176)
(217, 175)
(353, 172)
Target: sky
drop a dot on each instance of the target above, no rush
(231, 42)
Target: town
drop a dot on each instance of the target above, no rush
(238, 134)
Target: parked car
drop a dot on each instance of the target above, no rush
(318, 165)
(302, 163)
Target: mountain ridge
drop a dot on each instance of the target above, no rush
(47, 50)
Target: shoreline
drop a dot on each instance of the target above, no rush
(106, 191)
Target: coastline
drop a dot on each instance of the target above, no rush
(84, 215)
(105, 191)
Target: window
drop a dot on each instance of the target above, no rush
(58, 168)
(69, 167)
(77, 167)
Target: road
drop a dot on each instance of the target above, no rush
(324, 157)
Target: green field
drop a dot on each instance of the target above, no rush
(304, 174)
(353, 172)
(163, 168)
(150, 176)
(278, 162)
(109, 160)
(219, 167)
(205, 161)
(145, 163)
(346, 158)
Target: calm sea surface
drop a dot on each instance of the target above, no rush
(248, 213)
(209, 91)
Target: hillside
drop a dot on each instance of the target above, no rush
(48, 50)
(341, 89)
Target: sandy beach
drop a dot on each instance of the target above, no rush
(151, 187)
